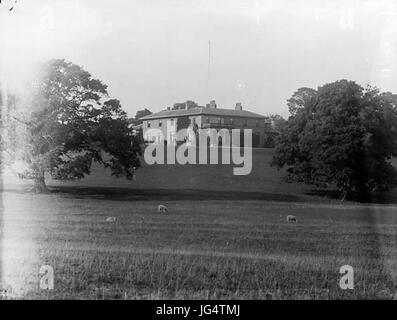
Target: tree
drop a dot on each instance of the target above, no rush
(343, 135)
(185, 105)
(1, 121)
(278, 122)
(182, 123)
(9, 133)
(72, 123)
(1, 130)
(300, 98)
(140, 114)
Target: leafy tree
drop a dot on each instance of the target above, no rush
(278, 122)
(182, 123)
(140, 114)
(9, 135)
(72, 123)
(273, 129)
(300, 98)
(1, 128)
(182, 105)
(343, 135)
(1, 119)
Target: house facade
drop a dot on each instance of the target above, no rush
(168, 122)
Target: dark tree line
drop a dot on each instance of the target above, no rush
(340, 135)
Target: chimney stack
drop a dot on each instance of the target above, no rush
(239, 106)
(212, 104)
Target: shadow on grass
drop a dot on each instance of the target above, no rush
(370, 197)
(130, 194)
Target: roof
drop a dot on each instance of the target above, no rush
(203, 111)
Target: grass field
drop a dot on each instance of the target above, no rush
(224, 237)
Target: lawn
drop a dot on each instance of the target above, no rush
(200, 249)
(223, 237)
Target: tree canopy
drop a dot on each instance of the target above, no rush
(278, 122)
(185, 105)
(340, 134)
(300, 99)
(71, 122)
(140, 114)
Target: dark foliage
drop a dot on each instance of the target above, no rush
(185, 105)
(73, 123)
(341, 134)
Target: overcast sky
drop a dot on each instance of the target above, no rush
(155, 53)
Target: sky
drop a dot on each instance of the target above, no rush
(153, 53)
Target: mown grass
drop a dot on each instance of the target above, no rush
(211, 249)
(225, 237)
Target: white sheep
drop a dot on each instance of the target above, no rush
(111, 219)
(162, 209)
(291, 218)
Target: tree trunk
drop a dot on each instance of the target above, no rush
(39, 185)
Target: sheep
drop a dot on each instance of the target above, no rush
(111, 219)
(162, 209)
(291, 218)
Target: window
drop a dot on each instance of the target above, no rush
(172, 121)
(245, 123)
(160, 123)
(219, 120)
(207, 120)
(257, 123)
(231, 120)
(193, 120)
(148, 124)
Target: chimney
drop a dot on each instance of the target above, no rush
(186, 105)
(207, 105)
(239, 106)
(212, 104)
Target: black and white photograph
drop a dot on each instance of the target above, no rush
(198, 150)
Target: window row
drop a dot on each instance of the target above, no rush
(218, 120)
